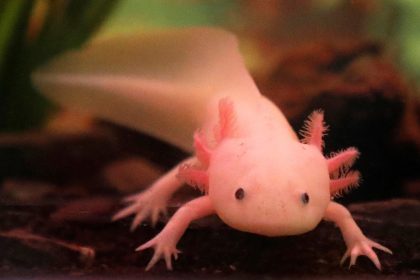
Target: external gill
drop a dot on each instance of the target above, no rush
(196, 175)
(314, 130)
(342, 179)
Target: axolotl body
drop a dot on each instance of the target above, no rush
(254, 172)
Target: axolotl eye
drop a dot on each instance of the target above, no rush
(240, 194)
(305, 198)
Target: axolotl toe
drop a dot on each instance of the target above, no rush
(258, 177)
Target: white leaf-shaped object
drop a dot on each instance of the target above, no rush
(157, 82)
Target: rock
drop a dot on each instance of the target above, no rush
(213, 248)
(86, 210)
(131, 174)
(365, 102)
(26, 191)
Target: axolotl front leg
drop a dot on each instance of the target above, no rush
(153, 201)
(165, 242)
(357, 243)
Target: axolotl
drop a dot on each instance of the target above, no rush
(190, 87)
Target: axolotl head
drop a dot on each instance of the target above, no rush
(267, 185)
(272, 189)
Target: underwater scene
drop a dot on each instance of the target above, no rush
(216, 139)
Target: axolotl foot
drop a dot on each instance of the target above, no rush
(357, 243)
(364, 247)
(165, 242)
(152, 202)
(143, 205)
(164, 249)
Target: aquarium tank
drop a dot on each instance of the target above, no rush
(242, 129)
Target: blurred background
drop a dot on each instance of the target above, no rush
(34, 31)
(358, 60)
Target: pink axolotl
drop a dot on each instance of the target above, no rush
(254, 172)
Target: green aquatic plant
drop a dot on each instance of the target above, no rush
(31, 32)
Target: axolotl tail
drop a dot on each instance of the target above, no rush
(156, 82)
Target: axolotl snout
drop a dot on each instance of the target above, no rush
(253, 170)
